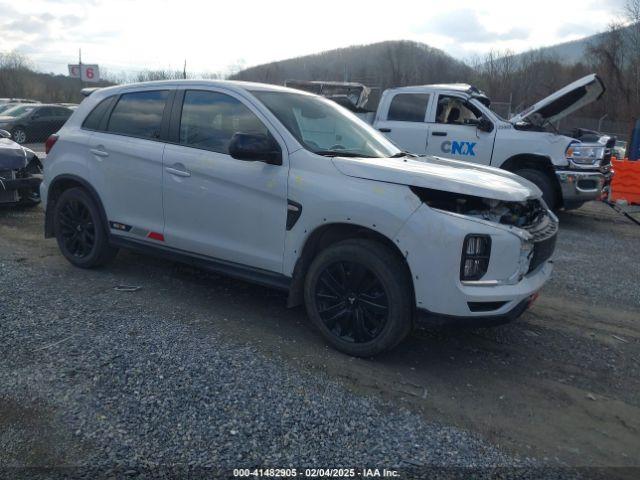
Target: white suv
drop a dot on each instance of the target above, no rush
(290, 190)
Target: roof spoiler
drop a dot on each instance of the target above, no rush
(88, 91)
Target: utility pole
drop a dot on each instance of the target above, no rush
(80, 67)
(184, 70)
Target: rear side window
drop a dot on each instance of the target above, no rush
(94, 120)
(210, 119)
(409, 107)
(139, 114)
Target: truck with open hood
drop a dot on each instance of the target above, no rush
(456, 121)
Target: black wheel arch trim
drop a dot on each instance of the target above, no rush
(51, 201)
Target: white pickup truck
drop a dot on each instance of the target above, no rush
(456, 121)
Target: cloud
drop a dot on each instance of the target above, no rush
(465, 26)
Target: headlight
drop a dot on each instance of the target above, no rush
(585, 154)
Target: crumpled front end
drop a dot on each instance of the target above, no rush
(20, 174)
(495, 254)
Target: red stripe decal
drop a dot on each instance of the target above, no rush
(156, 236)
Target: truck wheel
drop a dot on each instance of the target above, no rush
(543, 182)
(358, 294)
(80, 233)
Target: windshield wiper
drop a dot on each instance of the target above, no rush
(340, 153)
(403, 154)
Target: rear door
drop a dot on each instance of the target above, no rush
(215, 205)
(454, 134)
(404, 120)
(125, 164)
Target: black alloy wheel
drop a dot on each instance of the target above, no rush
(358, 294)
(77, 229)
(352, 302)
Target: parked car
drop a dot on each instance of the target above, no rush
(20, 173)
(33, 122)
(237, 178)
(456, 121)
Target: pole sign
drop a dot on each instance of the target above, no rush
(85, 72)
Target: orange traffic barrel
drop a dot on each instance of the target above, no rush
(625, 185)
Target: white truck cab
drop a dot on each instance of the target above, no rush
(455, 121)
(288, 189)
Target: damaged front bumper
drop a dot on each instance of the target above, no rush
(20, 174)
(578, 187)
(19, 186)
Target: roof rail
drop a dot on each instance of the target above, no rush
(88, 91)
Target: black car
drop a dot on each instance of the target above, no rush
(33, 122)
(20, 174)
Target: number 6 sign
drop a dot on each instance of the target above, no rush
(88, 73)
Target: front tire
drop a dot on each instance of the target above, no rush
(544, 183)
(19, 135)
(79, 230)
(358, 293)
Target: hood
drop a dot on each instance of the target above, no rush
(441, 174)
(563, 102)
(12, 155)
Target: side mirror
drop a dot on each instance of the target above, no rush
(4, 134)
(485, 125)
(253, 147)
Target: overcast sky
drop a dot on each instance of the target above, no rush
(216, 36)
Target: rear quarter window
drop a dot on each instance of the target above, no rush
(96, 120)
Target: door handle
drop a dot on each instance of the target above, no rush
(178, 173)
(439, 134)
(99, 151)
(385, 130)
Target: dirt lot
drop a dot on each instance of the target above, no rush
(561, 385)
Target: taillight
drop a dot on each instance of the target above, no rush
(475, 257)
(51, 141)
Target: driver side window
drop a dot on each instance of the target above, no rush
(210, 119)
(455, 111)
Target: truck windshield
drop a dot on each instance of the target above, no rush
(325, 128)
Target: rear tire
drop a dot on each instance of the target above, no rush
(544, 183)
(358, 293)
(79, 230)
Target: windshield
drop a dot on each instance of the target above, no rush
(18, 110)
(4, 108)
(325, 128)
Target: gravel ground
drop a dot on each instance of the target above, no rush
(133, 385)
(199, 370)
